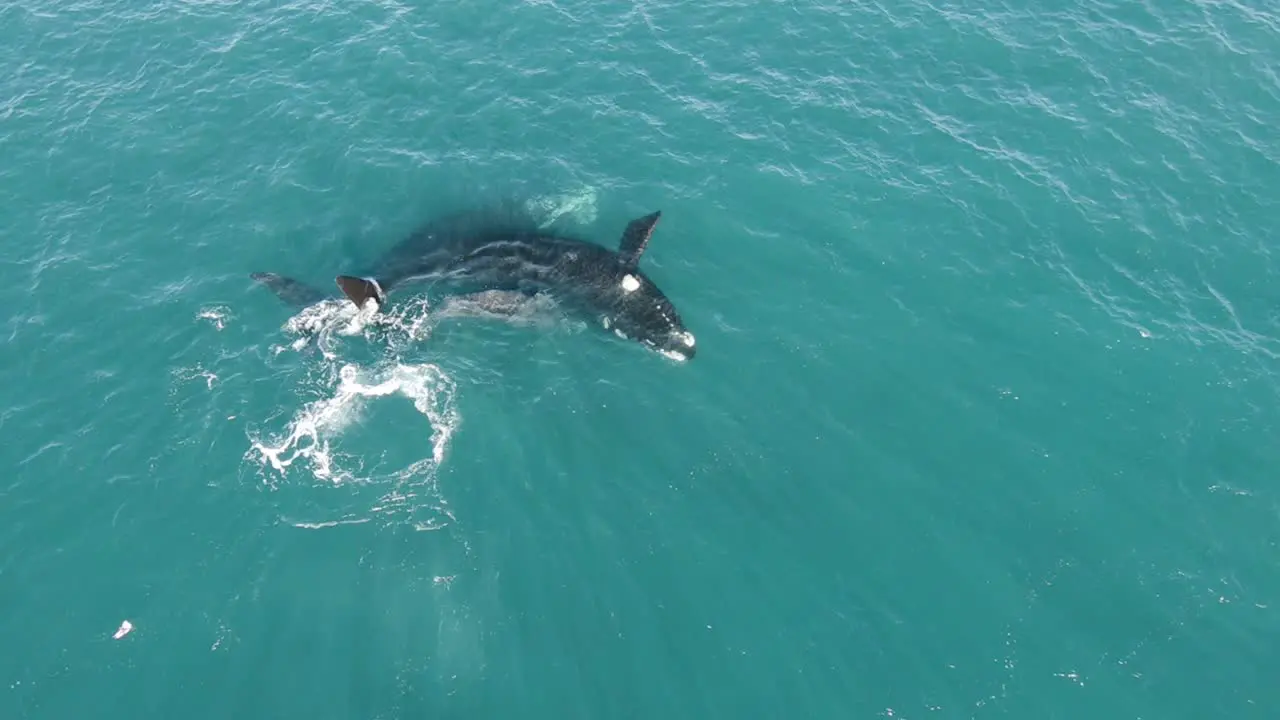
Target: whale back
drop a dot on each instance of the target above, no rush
(465, 229)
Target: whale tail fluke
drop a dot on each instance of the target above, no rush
(361, 290)
(293, 292)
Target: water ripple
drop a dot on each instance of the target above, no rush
(995, 277)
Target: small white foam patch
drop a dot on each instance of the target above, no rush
(323, 320)
(218, 315)
(630, 283)
(328, 524)
(197, 372)
(330, 320)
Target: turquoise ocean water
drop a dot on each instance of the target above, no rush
(982, 424)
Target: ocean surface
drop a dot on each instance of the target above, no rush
(983, 421)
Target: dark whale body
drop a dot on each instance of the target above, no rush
(496, 256)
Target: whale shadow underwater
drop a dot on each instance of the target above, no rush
(499, 259)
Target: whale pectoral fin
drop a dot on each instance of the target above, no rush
(636, 237)
(293, 292)
(360, 290)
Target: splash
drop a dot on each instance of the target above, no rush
(312, 433)
(325, 324)
(196, 372)
(217, 315)
(319, 443)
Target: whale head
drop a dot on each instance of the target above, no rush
(629, 304)
(636, 309)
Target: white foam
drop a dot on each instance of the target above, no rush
(328, 524)
(186, 374)
(312, 431)
(218, 316)
(325, 323)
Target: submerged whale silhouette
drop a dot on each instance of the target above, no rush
(498, 260)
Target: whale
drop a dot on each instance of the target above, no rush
(486, 303)
(501, 305)
(500, 260)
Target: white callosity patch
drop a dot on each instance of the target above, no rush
(688, 339)
(630, 283)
